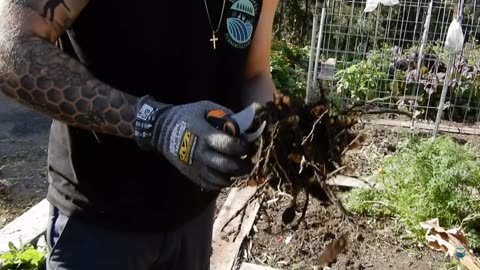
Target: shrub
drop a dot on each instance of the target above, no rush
(23, 258)
(287, 65)
(424, 180)
(360, 81)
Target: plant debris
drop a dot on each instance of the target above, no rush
(302, 147)
(453, 242)
(333, 249)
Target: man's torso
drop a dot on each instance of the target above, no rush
(159, 48)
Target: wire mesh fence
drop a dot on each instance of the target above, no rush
(395, 55)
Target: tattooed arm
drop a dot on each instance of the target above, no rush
(39, 75)
(36, 73)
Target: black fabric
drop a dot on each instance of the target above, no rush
(159, 48)
(78, 245)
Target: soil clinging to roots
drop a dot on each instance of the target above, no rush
(302, 147)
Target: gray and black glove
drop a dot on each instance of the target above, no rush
(181, 133)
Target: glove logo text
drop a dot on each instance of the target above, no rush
(187, 146)
(176, 137)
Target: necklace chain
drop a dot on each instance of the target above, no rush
(221, 16)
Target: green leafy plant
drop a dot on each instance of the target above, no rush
(23, 258)
(287, 66)
(438, 49)
(381, 58)
(360, 81)
(471, 52)
(465, 90)
(426, 179)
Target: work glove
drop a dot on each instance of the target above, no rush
(181, 133)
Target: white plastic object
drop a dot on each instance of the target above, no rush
(389, 3)
(454, 40)
(373, 4)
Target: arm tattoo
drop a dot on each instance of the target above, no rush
(48, 80)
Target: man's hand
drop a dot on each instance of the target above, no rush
(259, 89)
(207, 156)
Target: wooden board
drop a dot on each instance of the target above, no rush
(347, 181)
(26, 228)
(443, 128)
(249, 266)
(226, 244)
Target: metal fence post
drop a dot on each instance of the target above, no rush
(313, 97)
(309, 89)
(438, 119)
(454, 48)
(420, 58)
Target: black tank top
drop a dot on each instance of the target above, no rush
(160, 48)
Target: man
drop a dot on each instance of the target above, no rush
(134, 167)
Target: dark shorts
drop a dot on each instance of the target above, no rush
(78, 245)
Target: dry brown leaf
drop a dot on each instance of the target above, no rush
(448, 241)
(333, 249)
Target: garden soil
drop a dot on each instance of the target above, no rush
(371, 243)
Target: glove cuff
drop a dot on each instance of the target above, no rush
(148, 111)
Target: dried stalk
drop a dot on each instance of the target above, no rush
(310, 135)
(255, 196)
